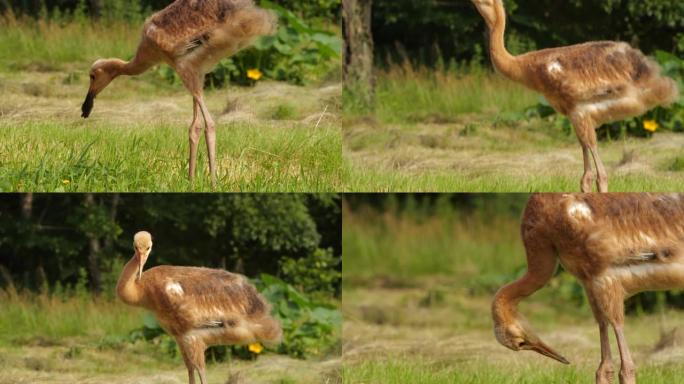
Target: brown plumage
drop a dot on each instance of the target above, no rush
(191, 36)
(199, 307)
(616, 245)
(592, 83)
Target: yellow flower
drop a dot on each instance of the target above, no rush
(254, 74)
(65, 181)
(255, 348)
(650, 125)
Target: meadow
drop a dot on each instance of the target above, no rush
(417, 292)
(465, 128)
(271, 136)
(52, 338)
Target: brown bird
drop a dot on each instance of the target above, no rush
(592, 83)
(199, 307)
(616, 245)
(191, 36)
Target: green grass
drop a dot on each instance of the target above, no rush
(82, 156)
(28, 316)
(406, 247)
(421, 372)
(50, 45)
(406, 93)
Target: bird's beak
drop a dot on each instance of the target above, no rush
(547, 351)
(88, 104)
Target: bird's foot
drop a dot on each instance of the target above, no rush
(604, 375)
(627, 376)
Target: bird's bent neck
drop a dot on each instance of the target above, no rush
(128, 289)
(504, 306)
(503, 61)
(120, 67)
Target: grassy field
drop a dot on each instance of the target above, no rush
(270, 137)
(459, 131)
(417, 295)
(53, 340)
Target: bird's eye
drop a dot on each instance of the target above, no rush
(92, 77)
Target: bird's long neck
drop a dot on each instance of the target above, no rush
(501, 58)
(130, 68)
(505, 304)
(128, 288)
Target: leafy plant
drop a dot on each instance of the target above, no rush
(318, 274)
(297, 53)
(309, 328)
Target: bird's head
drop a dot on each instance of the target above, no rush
(518, 337)
(102, 72)
(142, 245)
(487, 9)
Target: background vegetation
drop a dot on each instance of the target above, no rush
(60, 257)
(420, 272)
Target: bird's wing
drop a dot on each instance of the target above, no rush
(184, 24)
(204, 298)
(592, 71)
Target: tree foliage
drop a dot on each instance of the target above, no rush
(247, 233)
(429, 30)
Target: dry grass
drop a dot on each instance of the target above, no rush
(478, 154)
(392, 331)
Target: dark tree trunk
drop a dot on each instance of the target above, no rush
(96, 9)
(94, 250)
(113, 207)
(358, 52)
(27, 215)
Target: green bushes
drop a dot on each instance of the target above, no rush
(297, 53)
(428, 30)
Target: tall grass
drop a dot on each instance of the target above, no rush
(72, 157)
(407, 246)
(409, 93)
(46, 44)
(28, 316)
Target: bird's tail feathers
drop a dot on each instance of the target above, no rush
(253, 22)
(267, 330)
(663, 92)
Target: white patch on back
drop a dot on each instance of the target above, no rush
(554, 67)
(647, 239)
(579, 210)
(173, 288)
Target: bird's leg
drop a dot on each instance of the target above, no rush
(195, 128)
(210, 137)
(586, 134)
(588, 177)
(187, 361)
(602, 181)
(604, 374)
(202, 375)
(627, 368)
